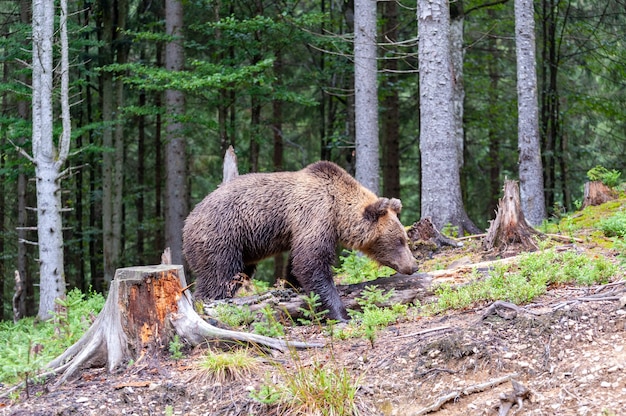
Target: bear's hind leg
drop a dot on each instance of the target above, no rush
(218, 276)
(291, 281)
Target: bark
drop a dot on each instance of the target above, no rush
(141, 178)
(108, 161)
(255, 132)
(441, 185)
(509, 232)
(530, 168)
(597, 193)
(26, 306)
(390, 105)
(550, 111)
(48, 159)
(255, 102)
(366, 94)
(3, 203)
(457, 55)
(176, 208)
(159, 236)
(493, 134)
(277, 159)
(117, 208)
(277, 117)
(146, 307)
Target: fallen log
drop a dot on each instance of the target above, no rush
(146, 307)
(406, 289)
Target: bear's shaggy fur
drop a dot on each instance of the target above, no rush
(308, 212)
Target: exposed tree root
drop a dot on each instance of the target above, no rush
(476, 388)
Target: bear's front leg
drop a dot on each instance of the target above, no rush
(312, 269)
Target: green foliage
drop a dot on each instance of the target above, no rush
(320, 388)
(268, 393)
(610, 178)
(310, 312)
(227, 366)
(615, 225)
(619, 244)
(28, 345)
(268, 325)
(233, 315)
(450, 230)
(372, 317)
(357, 268)
(175, 348)
(372, 296)
(529, 279)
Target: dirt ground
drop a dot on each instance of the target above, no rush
(565, 353)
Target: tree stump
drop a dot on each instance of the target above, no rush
(597, 193)
(425, 239)
(146, 307)
(509, 232)
(230, 170)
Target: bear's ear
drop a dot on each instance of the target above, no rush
(377, 209)
(395, 205)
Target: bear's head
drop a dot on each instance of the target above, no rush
(386, 240)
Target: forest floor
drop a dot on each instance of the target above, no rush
(566, 350)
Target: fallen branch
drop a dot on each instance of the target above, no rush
(445, 328)
(476, 388)
(471, 237)
(564, 238)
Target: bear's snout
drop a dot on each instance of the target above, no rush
(407, 269)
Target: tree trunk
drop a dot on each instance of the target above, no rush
(530, 169)
(366, 94)
(159, 235)
(390, 105)
(26, 302)
(457, 55)
(597, 193)
(509, 232)
(108, 160)
(145, 308)
(117, 209)
(441, 184)
(141, 178)
(278, 153)
(48, 159)
(176, 205)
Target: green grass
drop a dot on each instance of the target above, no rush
(530, 278)
(227, 366)
(315, 389)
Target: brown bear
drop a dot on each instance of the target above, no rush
(307, 212)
